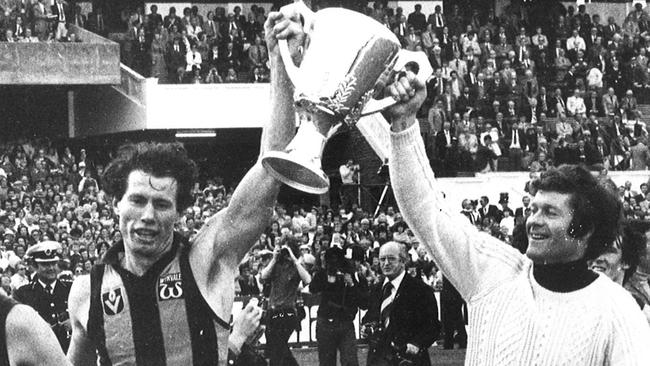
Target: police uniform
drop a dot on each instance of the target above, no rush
(50, 301)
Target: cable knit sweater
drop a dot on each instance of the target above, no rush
(512, 319)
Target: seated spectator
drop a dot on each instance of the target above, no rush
(629, 105)
(213, 77)
(193, 58)
(575, 105)
(231, 76)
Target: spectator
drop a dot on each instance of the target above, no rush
(284, 274)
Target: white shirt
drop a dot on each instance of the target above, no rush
(576, 105)
(572, 42)
(347, 174)
(396, 282)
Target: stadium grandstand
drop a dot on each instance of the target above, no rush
(519, 86)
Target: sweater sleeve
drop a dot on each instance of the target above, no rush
(473, 261)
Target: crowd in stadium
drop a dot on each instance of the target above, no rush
(190, 47)
(504, 96)
(499, 90)
(40, 21)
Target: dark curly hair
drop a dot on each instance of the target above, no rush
(157, 159)
(633, 244)
(594, 206)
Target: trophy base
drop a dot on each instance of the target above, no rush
(296, 173)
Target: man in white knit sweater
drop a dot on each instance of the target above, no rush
(542, 308)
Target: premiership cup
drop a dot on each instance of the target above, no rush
(349, 61)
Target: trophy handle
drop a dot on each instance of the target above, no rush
(403, 57)
(307, 16)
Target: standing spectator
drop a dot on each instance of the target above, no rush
(41, 17)
(284, 274)
(342, 292)
(45, 293)
(349, 177)
(158, 51)
(417, 20)
(257, 54)
(391, 305)
(61, 11)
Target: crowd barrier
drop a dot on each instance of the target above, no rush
(306, 336)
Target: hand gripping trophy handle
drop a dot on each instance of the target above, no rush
(349, 61)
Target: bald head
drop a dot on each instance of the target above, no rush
(392, 259)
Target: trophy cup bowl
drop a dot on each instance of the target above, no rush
(349, 61)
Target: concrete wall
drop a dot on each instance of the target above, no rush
(93, 61)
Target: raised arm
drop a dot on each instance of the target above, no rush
(30, 340)
(463, 254)
(230, 234)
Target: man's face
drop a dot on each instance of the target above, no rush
(611, 265)
(547, 229)
(147, 213)
(47, 271)
(392, 265)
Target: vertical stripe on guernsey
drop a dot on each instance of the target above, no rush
(152, 308)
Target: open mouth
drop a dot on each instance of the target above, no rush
(145, 234)
(537, 236)
(598, 268)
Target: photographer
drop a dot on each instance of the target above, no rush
(350, 178)
(284, 273)
(342, 291)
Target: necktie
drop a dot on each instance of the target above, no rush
(48, 288)
(386, 302)
(439, 21)
(514, 138)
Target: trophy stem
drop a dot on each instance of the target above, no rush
(299, 166)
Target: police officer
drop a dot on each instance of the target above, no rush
(45, 293)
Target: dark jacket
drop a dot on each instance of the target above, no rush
(413, 317)
(53, 308)
(338, 301)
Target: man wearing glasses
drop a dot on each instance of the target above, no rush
(402, 319)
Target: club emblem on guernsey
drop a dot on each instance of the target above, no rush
(170, 287)
(113, 301)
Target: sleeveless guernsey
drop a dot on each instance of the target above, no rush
(158, 319)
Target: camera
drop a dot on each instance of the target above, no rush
(285, 252)
(399, 356)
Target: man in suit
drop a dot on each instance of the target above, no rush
(522, 213)
(459, 65)
(593, 104)
(437, 19)
(153, 18)
(610, 29)
(62, 13)
(488, 210)
(405, 308)
(416, 19)
(412, 39)
(172, 19)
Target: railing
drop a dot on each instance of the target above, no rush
(132, 84)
